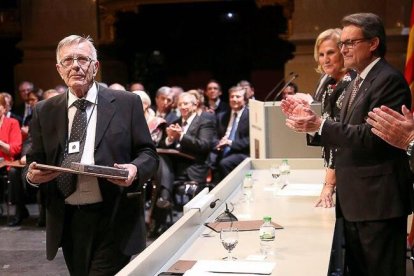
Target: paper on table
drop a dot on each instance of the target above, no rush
(205, 267)
(301, 190)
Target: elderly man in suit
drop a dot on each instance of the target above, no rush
(190, 134)
(374, 186)
(99, 223)
(233, 145)
(164, 103)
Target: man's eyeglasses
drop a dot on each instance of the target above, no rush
(82, 61)
(350, 43)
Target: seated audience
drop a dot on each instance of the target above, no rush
(163, 102)
(117, 86)
(136, 86)
(19, 188)
(60, 88)
(291, 89)
(249, 88)
(50, 93)
(32, 98)
(23, 108)
(176, 91)
(233, 145)
(156, 124)
(10, 145)
(192, 135)
(213, 102)
(9, 103)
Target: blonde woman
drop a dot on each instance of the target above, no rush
(330, 92)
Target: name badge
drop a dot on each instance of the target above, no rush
(73, 147)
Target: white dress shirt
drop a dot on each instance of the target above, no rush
(232, 118)
(87, 188)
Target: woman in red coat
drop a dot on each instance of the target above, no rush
(10, 141)
(10, 136)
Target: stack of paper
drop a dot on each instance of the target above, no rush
(207, 267)
(301, 190)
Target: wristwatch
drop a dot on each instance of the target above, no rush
(410, 147)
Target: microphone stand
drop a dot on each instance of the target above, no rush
(226, 216)
(276, 86)
(283, 88)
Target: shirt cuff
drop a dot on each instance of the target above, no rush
(31, 183)
(168, 142)
(320, 128)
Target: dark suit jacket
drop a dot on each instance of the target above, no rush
(373, 178)
(241, 143)
(223, 107)
(17, 117)
(121, 137)
(196, 142)
(170, 117)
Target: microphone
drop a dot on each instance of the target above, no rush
(286, 85)
(227, 215)
(276, 86)
(213, 203)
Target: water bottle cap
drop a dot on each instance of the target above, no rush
(267, 218)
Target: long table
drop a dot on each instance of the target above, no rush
(302, 247)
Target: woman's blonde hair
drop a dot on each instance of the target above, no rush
(333, 34)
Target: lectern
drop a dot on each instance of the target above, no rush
(271, 138)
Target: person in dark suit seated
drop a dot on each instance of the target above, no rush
(291, 89)
(249, 88)
(10, 112)
(233, 145)
(191, 134)
(19, 189)
(23, 108)
(98, 222)
(163, 104)
(374, 190)
(10, 147)
(213, 102)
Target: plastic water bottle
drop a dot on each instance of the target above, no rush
(248, 186)
(284, 170)
(267, 236)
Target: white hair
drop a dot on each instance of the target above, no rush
(144, 96)
(76, 39)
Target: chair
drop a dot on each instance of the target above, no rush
(184, 191)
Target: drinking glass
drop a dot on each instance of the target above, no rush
(248, 188)
(274, 171)
(229, 238)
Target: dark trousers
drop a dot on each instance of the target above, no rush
(88, 243)
(376, 248)
(20, 192)
(16, 187)
(228, 163)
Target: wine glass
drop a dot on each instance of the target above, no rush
(229, 238)
(274, 171)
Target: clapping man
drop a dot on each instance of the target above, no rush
(233, 145)
(374, 186)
